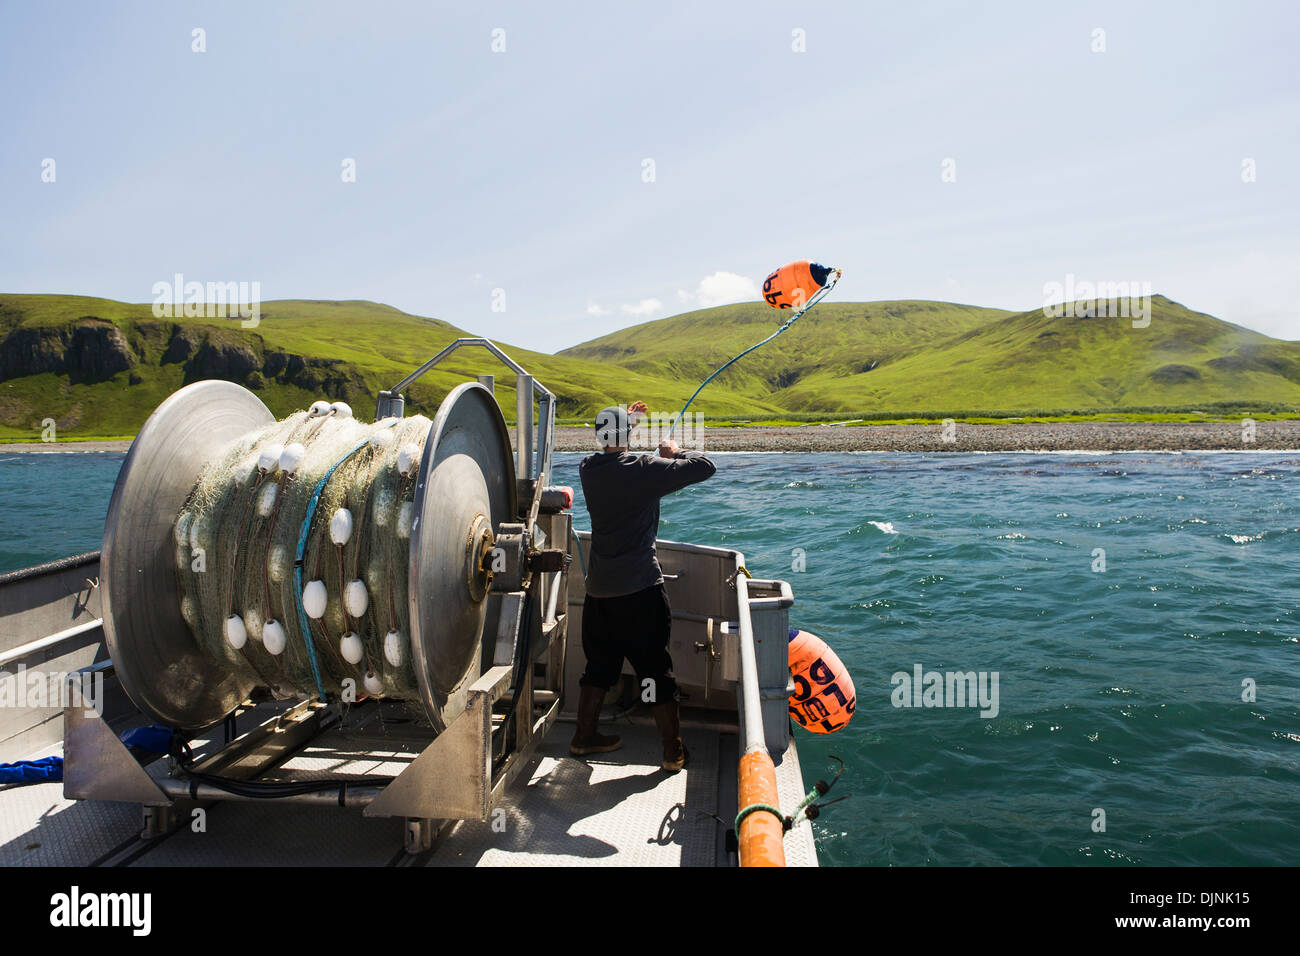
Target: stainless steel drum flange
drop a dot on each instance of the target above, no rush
(155, 655)
(466, 485)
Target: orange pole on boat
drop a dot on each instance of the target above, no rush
(762, 832)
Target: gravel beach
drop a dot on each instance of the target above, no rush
(1060, 436)
(62, 447)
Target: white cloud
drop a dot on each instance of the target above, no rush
(721, 288)
(644, 307)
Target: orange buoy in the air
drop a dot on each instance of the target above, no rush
(791, 286)
(824, 698)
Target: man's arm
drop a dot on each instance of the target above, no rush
(675, 469)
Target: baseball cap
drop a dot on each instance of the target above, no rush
(612, 427)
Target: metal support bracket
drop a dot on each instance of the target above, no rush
(450, 779)
(96, 764)
(453, 778)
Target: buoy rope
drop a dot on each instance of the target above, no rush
(816, 297)
(799, 816)
(805, 810)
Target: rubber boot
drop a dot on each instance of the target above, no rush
(668, 718)
(585, 739)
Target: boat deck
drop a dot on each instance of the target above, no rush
(611, 809)
(615, 809)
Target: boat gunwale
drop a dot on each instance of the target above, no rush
(49, 567)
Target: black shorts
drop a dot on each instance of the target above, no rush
(632, 626)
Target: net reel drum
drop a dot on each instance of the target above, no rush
(465, 489)
(480, 596)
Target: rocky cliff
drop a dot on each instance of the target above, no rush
(94, 350)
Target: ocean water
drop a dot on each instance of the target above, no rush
(53, 505)
(1121, 691)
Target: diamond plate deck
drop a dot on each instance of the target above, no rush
(616, 809)
(40, 828)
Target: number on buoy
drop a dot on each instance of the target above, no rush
(824, 698)
(793, 285)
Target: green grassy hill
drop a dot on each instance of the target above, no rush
(836, 340)
(99, 367)
(933, 359)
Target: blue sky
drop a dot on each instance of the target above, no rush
(523, 170)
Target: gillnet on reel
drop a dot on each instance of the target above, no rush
(292, 554)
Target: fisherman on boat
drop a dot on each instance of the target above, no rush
(626, 613)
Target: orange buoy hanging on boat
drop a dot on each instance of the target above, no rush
(793, 286)
(824, 698)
